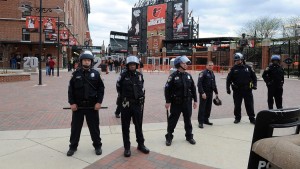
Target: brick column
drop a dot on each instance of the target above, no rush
(209, 53)
(265, 53)
(134, 51)
(164, 52)
(232, 51)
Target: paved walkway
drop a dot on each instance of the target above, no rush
(34, 129)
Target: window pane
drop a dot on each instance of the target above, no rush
(1, 56)
(25, 35)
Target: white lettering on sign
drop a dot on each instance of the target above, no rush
(97, 62)
(136, 13)
(30, 62)
(178, 6)
(263, 165)
(157, 21)
(34, 62)
(26, 62)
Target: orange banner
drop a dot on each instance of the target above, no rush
(64, 35)
(32, 23)
(73, 41)
(156, 20)
(49, 24)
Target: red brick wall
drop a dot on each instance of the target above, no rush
(14, 78)
(11, 22)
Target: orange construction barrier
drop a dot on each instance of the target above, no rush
(166, 68)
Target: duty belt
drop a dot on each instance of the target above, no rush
(135, 101)
(86, 103)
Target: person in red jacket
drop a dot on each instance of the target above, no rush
(51, 65)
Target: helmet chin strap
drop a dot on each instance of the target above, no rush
(182, 67)
(85, 66)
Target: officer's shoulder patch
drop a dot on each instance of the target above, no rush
(201, 74)
(267, 68)
(169, 78)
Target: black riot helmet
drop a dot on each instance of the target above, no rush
(217, 101)
(238, 56)
(86, 55)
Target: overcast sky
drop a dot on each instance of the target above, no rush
(216, 18)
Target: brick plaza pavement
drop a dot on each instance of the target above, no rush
(28, 106)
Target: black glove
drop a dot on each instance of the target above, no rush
(254, 87)
(228, 91)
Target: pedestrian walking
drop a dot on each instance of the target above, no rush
(274, 79)
(86, 92)
(180, 90)
(47, 66)
(206, 86)
(242, 80)
(130, 87)
(51, 66)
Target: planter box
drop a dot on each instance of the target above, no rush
(14, 77)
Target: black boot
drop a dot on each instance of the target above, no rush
(191, 141)
(207, 122)
(71, 151)
(252, 121)
(127, 153)
(143, 149)
(236, 121)
(169, 138)
(98, 151)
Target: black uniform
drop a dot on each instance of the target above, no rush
(274, 78)
(119, 99)
(86, 88)
(130, 87)
(179, 91)
(242, 79)
(206, 84)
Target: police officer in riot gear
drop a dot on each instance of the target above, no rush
(274, 78)
(206, 87)
(130, 87)
(179, 91)
(242, 79)
(119, 101)
(85, 95)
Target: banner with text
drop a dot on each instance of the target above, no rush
(156, 20)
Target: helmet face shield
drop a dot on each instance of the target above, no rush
(185, 59)
(181, 59)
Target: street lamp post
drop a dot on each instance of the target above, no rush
(58, 46)
(40, 44)
(41, 10)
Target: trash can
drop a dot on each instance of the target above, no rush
(103, 67)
